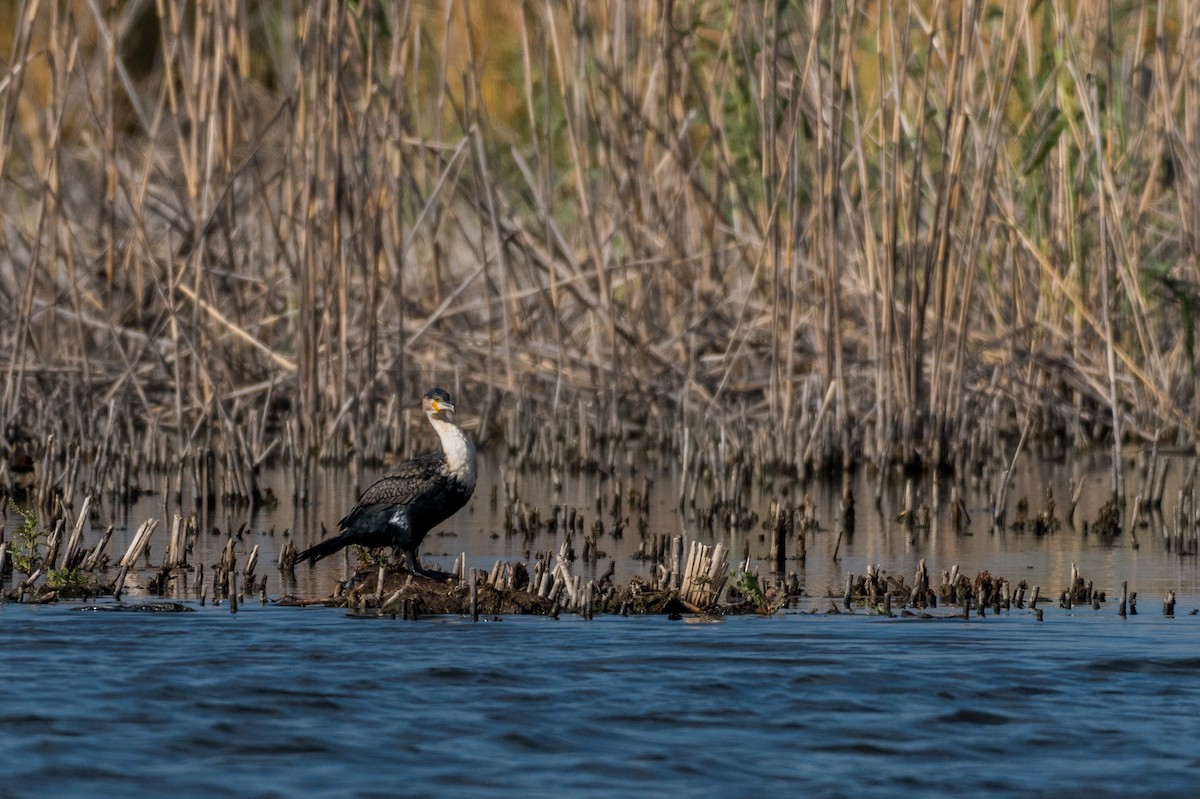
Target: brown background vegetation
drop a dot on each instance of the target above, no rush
(824, 232)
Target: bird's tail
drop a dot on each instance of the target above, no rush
(323, 549)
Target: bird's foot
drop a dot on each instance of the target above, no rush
(412, 565)
(429, 574)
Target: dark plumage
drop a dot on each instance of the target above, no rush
(412, 499)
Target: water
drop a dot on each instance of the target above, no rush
(1146, 560)
(310, 702)
(1147, 564)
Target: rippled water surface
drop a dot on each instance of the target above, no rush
(311, 702)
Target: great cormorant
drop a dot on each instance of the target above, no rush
(408, 502)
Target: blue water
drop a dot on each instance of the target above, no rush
(309, 702)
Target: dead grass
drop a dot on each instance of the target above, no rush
(815, 235)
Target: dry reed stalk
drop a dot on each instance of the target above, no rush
(705, 575)
(137, 545)
(731, 210)
(72, 548)
(98, 554)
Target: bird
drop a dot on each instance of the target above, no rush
(405, 504)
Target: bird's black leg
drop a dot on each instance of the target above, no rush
(410, 559)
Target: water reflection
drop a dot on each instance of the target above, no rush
(1148, 563)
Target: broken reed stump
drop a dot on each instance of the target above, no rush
(71, 555)
(98, 556)
(176, 548)
(137, 546)
(287, 557)
(779, 532)
(921, 596)
(705, 575)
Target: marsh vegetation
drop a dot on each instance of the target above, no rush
(747, 238)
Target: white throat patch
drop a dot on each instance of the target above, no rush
(460, 452)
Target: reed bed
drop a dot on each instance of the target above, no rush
(748, 237)
(566, 568)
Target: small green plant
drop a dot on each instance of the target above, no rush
(71, 582)
(27, 543)
(766, 601)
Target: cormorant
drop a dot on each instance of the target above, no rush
(404, 505)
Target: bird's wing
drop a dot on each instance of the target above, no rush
(402, 485)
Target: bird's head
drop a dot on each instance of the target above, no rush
(436, 403)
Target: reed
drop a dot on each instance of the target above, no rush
(813, 235)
